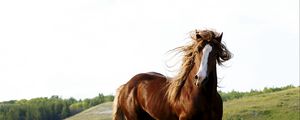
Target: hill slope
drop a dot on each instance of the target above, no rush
(99, 112)
(282, 105)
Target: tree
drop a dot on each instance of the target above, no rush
(13, 113)
(65, 111)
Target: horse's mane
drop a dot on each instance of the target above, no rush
(189, 52)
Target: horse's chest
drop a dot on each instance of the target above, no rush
(192, 110)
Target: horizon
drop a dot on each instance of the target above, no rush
(85, 47)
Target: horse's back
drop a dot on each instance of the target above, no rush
(149, 84)
(146, 80)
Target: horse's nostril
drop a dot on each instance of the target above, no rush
(196, 77)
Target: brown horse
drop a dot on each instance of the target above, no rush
(191, 95)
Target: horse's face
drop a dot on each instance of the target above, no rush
(207, 50)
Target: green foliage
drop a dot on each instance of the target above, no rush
(53, 108)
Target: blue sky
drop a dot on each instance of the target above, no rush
(80, 48)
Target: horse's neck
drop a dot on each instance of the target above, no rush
(211, 85)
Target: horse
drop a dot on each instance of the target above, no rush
(190, 95)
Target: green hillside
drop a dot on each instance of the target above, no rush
(99, 112)
(281, 105)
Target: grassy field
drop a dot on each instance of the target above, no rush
(282, 105)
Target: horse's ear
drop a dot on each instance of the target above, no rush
(219, 38)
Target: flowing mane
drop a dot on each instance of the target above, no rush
(175, 85)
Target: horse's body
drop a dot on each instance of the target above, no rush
(154, 96)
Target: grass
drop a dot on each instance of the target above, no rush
(281, 105)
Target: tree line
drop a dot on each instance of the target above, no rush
(43, 108)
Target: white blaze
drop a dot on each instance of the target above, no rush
(202, 72)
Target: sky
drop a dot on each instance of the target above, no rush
(79, 48)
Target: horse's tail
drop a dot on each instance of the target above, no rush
(117, 112)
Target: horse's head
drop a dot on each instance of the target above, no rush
(209, 52)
